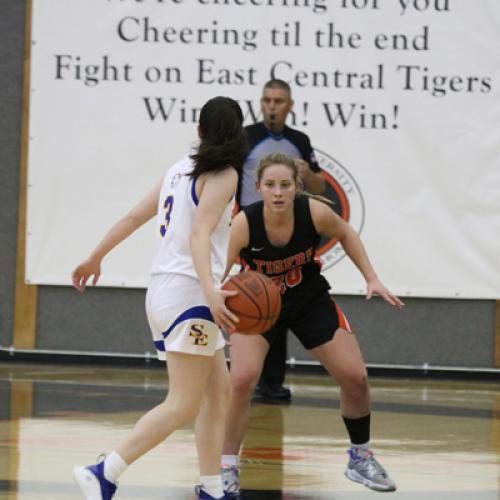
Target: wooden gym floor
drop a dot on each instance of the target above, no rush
(438, 439)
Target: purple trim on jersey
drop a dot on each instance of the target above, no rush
(196, 312)
(193, 192)
(160, 345)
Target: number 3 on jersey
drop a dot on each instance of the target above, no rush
(167, 207)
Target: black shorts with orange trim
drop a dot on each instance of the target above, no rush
(315, 325)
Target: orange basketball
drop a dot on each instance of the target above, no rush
(257, 304)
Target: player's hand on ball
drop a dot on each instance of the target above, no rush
(258, 304)
(221, 314)
(83, 272)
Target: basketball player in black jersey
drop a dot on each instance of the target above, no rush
(269, 136)
(278, 237)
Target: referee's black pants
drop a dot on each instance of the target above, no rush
(273, 372)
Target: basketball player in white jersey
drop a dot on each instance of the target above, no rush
(185, 305)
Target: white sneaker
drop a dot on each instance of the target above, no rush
(231, 480)
(92, 482)
(363, 468)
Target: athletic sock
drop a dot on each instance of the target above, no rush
(358, 429)
(362, 447)
(212, 485)
(230, 461)
(114, 466)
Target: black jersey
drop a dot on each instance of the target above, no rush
(294, 267)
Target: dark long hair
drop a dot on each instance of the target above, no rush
(223, 140)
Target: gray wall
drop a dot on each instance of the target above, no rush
(437, 332)
(433, 331)
(11, 79)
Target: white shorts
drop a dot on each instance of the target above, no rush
(179, 316)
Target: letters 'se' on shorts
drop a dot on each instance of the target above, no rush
(179, 317)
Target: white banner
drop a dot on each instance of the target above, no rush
(400, 99)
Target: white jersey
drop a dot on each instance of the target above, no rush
(176, 210)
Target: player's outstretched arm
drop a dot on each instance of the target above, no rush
(329, 224)
(138, 216)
